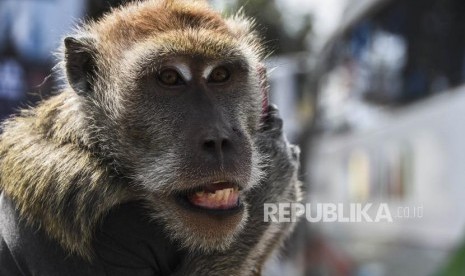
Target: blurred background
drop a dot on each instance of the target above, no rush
(372, 91)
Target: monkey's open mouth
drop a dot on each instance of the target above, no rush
(218, 196)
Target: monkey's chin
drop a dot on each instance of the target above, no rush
(201, 230)
(199, 224)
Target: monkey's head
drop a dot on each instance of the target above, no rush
(172, 96)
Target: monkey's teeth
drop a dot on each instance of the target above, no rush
(219, 199)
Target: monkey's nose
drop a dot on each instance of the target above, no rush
(218, 149)
(218, 146)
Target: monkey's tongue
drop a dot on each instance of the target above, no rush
(221, 198)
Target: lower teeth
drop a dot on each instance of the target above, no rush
(226, 198)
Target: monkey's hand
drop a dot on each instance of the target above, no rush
(280, 185)
(260, 237)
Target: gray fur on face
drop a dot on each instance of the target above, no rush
(115, 134)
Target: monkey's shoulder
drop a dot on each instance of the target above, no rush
(126, 243)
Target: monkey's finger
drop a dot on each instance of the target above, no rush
(273, 121)
(295, 152)
(273, 110)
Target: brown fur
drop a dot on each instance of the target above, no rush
(47, 168)
(51, 162)
(64, 163)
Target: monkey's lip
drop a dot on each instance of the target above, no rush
(218, 196)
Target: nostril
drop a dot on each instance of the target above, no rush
(225, 144)
(209, 145)
(219, 145)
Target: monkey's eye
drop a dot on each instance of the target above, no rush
(218, 75)
(170, 77)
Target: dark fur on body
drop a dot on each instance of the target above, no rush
(105, 140)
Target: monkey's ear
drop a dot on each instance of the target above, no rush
(80, 64)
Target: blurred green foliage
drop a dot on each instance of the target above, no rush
(456, 265)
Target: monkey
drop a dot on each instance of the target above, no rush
(160, 140)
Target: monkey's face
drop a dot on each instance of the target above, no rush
(188, 130)
(172, 92)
